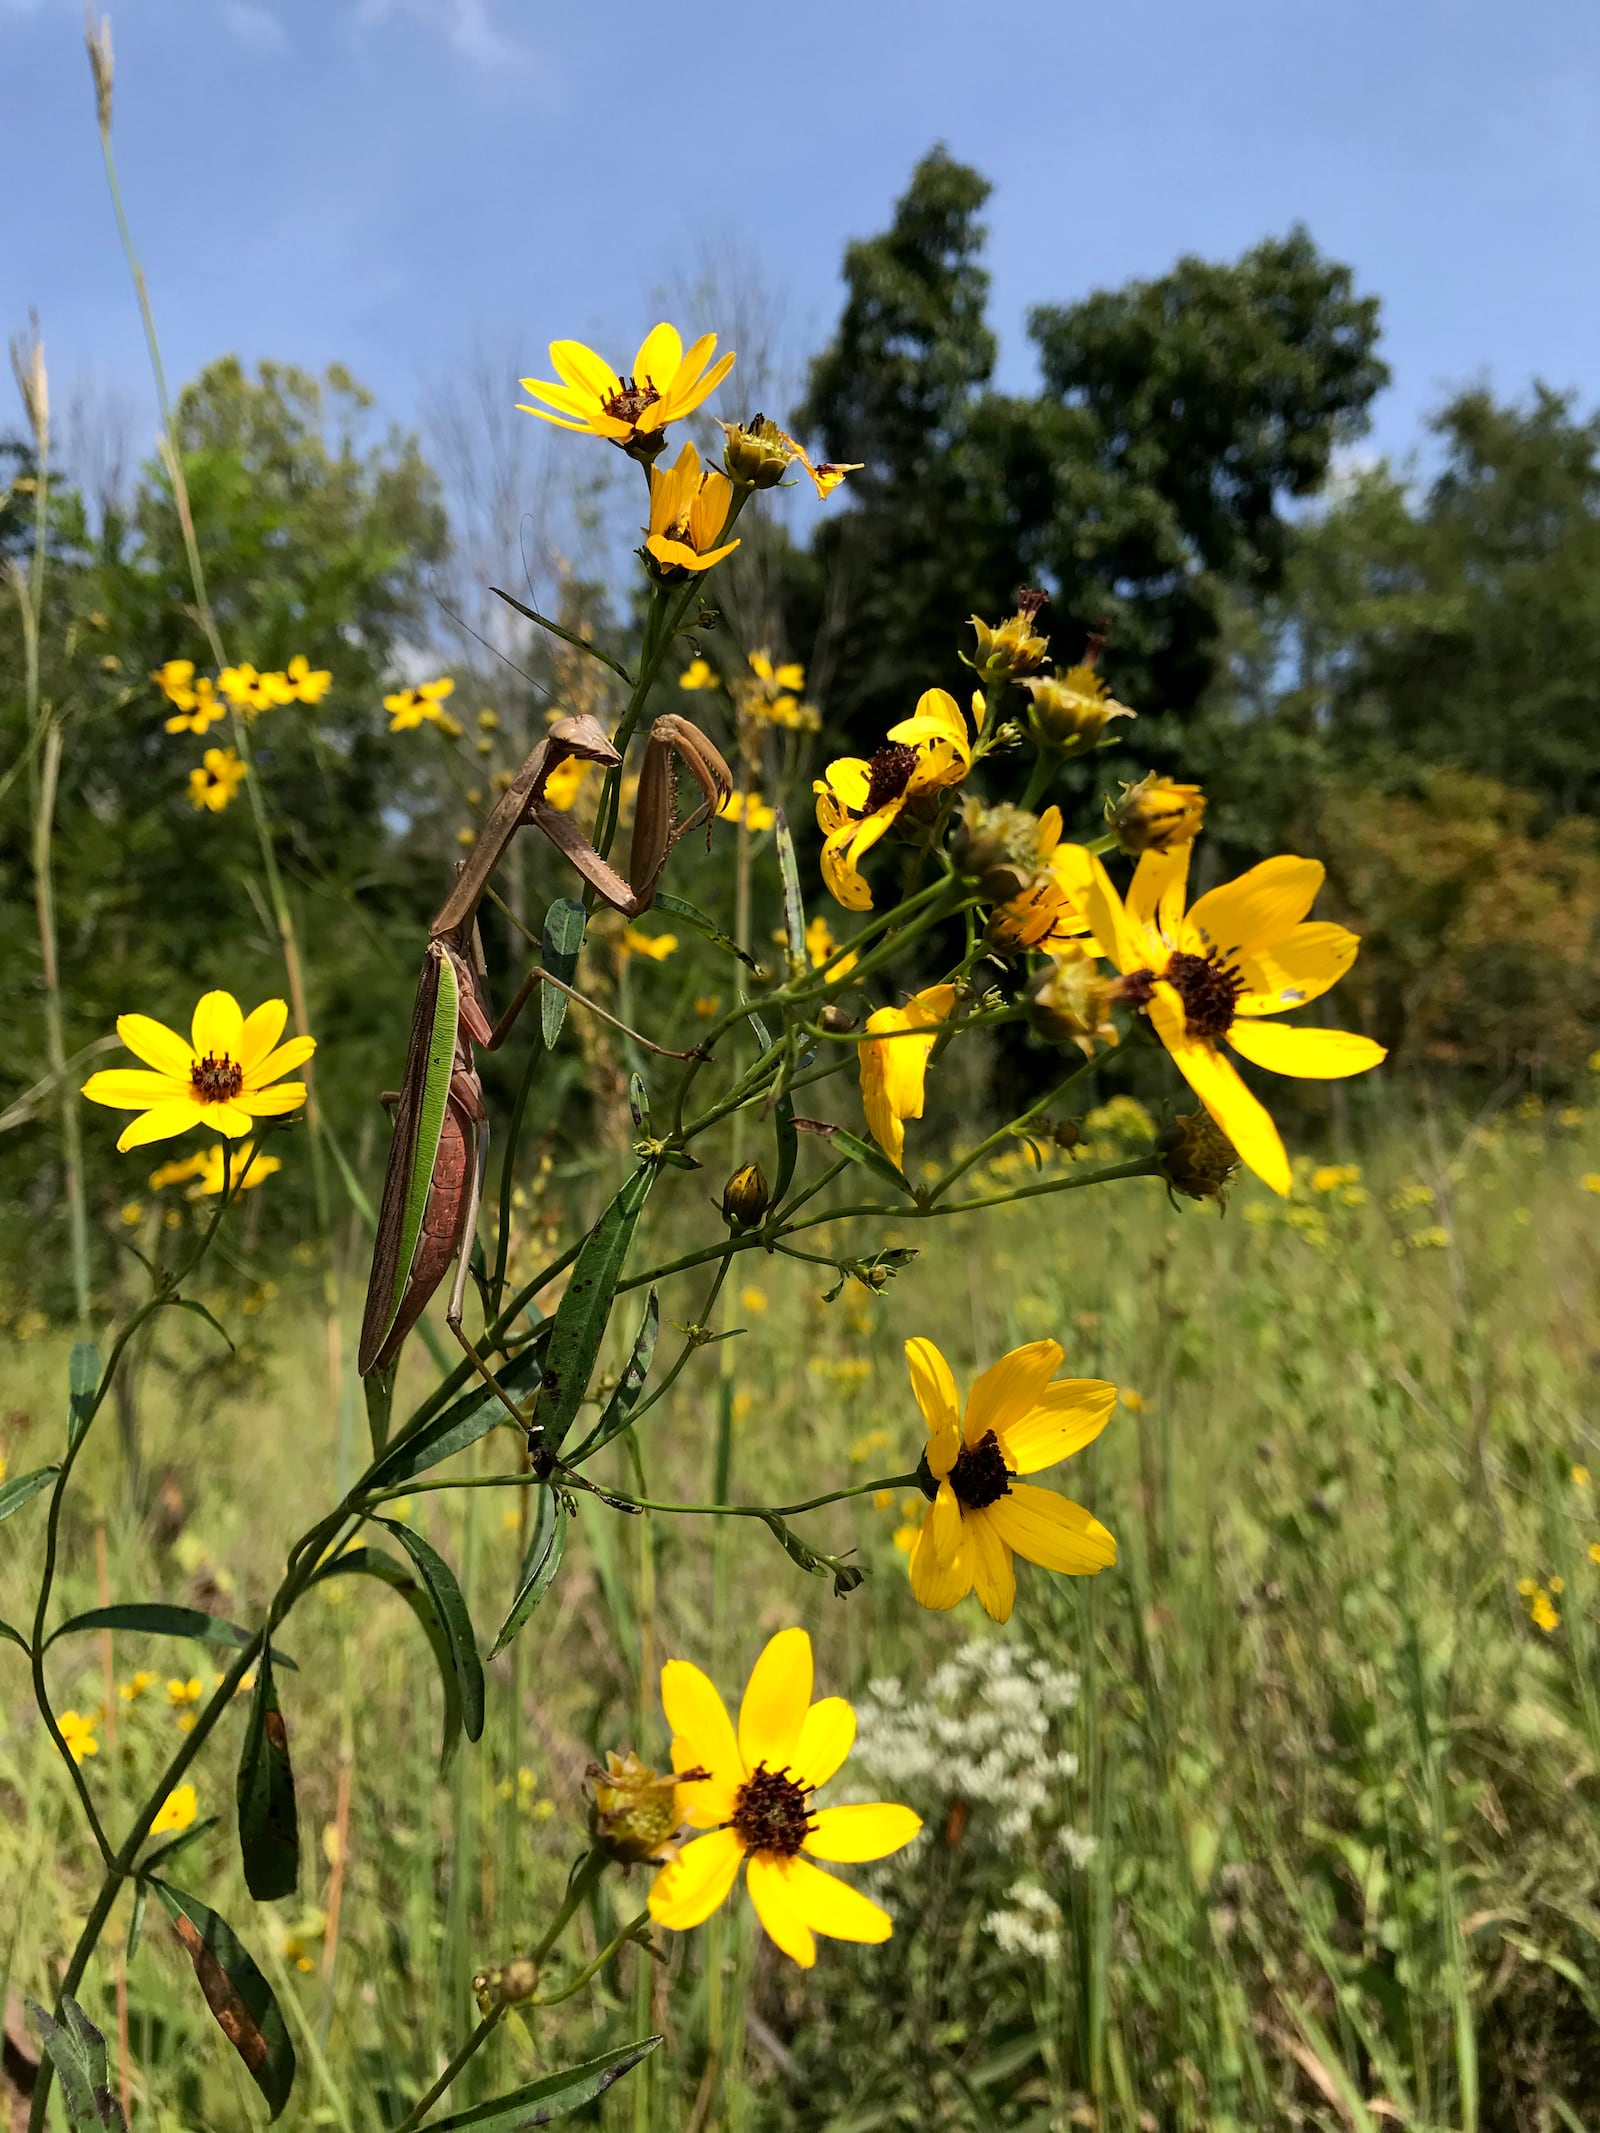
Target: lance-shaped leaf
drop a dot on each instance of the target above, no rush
(867, 1156)
(546, 1544)
(794, 910)
(379, 1389)
(580, 1321)
(629, 1386)
(155, 1618)
(451, 1609)
(692, 915)
(788, 1147)
(567, 636)
(541, 2102)
(23, 1488)
(269, 1827)
(374, 1563)
(83, 1382)
(78, 2053)
(563, 938)
(238, 1995)
(462, 1423)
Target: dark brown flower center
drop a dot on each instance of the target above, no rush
(771, 1813)
(1208, 988)
(214, 1080)
(630, 400)
(888, 774)
(980, 1475)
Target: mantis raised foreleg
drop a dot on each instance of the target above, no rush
(433, 1186)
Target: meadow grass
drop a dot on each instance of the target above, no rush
(1314, 1843)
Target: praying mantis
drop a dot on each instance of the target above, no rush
(433, 1186)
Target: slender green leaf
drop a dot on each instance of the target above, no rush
(788, 1147)
(692, 916)
(639, 1103)
(580, 1320)
(14, 1636)
(539, 1566)
(451, 1608)
(238, 1995)
(174, 1845)
(567, 636)
(156, 1618)
(188, 1303)
(553, 2097)
(462, 1423)
(563, 938)
(83, 1382)
(269, 1827)
(78, 2052)
(374, 1563)
(379, 1389)
(869, 1158)
(23, 1488)
(141, 1897)
(794, 910)
(629, 1386)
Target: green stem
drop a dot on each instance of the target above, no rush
(590, 1970)
(1006, 1132)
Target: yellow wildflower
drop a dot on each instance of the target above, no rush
(666, 381)
(177, 1811)
(216, 778)
(688, 511)
(1071, 711)
(219, 1077)
(246, 1170)
(1241, 951)
(821, 947)
(859, 800)
(753, 1300)
(1590, 1181)
(77, 1730)
(707, 1006)
(1580, 1477)
(251, 692)
(1331, 1176)
(894, 1066)
(1016, 1422)
(131, 1690)
(410, 707)
(175, 679)
(757, 1805)
(656, 947)
(310, 685)
(131, 1213)
(1594, 1551)
(1543, 1614)
(565, 782)
(750, 809)
(698, 674)
(199, 708)
(181, 1693)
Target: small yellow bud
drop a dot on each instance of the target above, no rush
(488, 721)
(746, 1197)
(999, 847)
(1155, 815)
(1012, 648)
(484, 748)
(1197, 1157)
(757, 453)
(633, 1812)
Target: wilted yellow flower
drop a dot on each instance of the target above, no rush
(410, 707)
(859, 800)
(688, 511)
(746, 1196)
(1197, 1158)
(220, 1078)
(759, 453)
(635, 1812)
(757, 1805)
(216, 778)
(1017, 1422)
(750, 809)
(894, 1066)
(77, 1730)
(1071, 1004)
(665, 382)
(177, 1811)
(1071, 711)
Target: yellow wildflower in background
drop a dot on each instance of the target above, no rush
(655, 947)
(753, 1299)
(219, 1077)
(894, 1066)
(411, 707)
(138, 1685)
(181, 1693)
(1017, 1422)
(566, 781)
(750, 809)
(688, 511)
(175, 679)
(250, 692)
(666, 381)
(1590, 1181)
(310, 684)
(77, 1730)
(245, 1174)
(858, 799)
(1580, 1477)
(756, 1803)
(196, 708)
(1243, 950)
(177, 1811)
(216, 778)
(698, 674)
(821, 947)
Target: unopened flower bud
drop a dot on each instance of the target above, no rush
(633, 1813)
(516, 1980)
(1071, 1004)
(1155, 815)
(1197, 1157)
(1070, 711)
(757, 452)
(746, 1197)
(1001, 847)
(837, 1021)
(1010, 649)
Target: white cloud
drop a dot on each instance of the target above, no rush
(468, 27)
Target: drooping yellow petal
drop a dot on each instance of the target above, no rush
(1069, 1415)
(1301, 967)
(156, 1045)
(827, 1734)
(847, 888)
(938, 718)
(689, 1888)
(1011, 1388)
(684, 400)
(935, 1390)
(679, 555)
(161, 1123)
(778, 1910)
(934, 1584)
(776, 1698)
(1156, 893)
(1052, 1531)
(831, 1906)
(708, 512)
(1089, 885)
(132, 1088)
(283, 1061)
(894, 1069)
(849, 779)
(1245, 1121)
(849, 1835)
(708, 1802)
(1256, 911)
(698, 1715)
(1308, 1054)
(218, 1026)
(993, 1575)
(946, 1522)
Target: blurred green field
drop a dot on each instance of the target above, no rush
(1314, 1842)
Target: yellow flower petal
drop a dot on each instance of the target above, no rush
(934, 1584)
(156, 1045)
(132, 1088)
(160, 1124)
(1259, 909)
(1070, 1414)
(935, 1390)
(776, 1907)
(827, 1734)
(660, 356)
(580, 366)
(1308, 1054)
(938, 718)
(848, 1835)
(1052, 1531)
(263, 1026)
(283, 1097)
(218, 1027)
(849, 779)
(1088, 884)
(1299, 968)
(699, 1716)
(1245, 1121)
(828, 1905)
(1011, 1388)
(776, 1699)
(282, 1061)
(843, 883)
(689, 1889)
(708, 1802)
(946, 1522)
(1156, 893)
(993, 1577)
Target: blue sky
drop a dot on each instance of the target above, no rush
(394, 183)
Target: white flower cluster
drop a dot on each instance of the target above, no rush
(1032, 1926)
(982, 1731)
